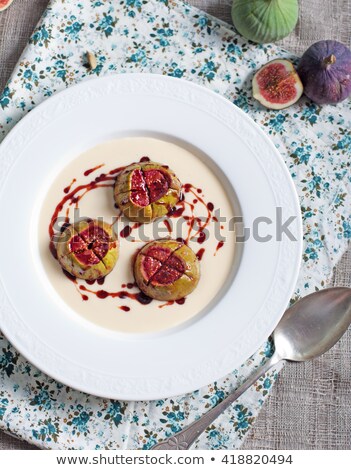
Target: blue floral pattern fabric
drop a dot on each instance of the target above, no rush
(172, 38)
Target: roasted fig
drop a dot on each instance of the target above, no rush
(147, 190)
(88, 249)
(166, 270)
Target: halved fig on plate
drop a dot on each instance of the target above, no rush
(88, 249)
(145, 191)
(166, 270)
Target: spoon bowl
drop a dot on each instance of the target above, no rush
(313, 324)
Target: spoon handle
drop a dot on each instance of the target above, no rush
(187, 436)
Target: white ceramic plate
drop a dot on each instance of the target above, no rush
(101, 361)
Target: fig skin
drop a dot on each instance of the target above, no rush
(264, 21)
(123, 192)
(172, 257)
(325, 71)
(279, 85)
(81, 261)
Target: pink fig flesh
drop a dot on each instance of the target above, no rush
(145, 191)
(277, 85)
(166, 270)
(161, 266)
(88, 249)
(148, 186)
(90, 245)
(157, 184)
(166, 275)
(81, 251)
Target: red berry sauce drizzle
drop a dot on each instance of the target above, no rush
(72, 196)
(128, 229)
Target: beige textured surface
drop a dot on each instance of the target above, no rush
(310, 406)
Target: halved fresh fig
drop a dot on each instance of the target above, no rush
(166, 270)
(5, 4)
(88, 249)
(277, 85)
(145, 191)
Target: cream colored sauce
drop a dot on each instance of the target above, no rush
(215, 268)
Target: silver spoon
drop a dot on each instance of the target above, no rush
(307, 329)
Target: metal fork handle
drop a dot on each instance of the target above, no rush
(184, 439)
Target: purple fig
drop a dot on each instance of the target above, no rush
(325, 71)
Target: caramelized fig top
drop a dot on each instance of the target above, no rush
(88, 249)
(166, 270)
(146, 191)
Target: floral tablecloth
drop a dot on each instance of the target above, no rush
(171, 38)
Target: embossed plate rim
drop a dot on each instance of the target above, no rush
(175, 366)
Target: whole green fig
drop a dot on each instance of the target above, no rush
(265, 20)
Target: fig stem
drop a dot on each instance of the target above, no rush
(330, 60)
